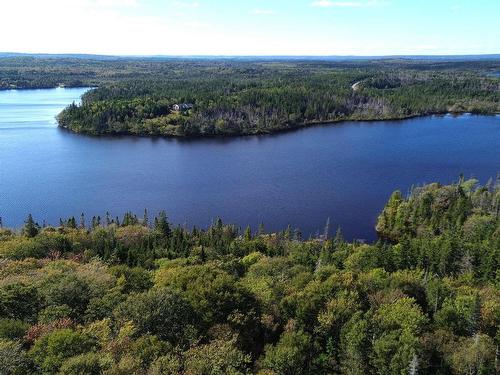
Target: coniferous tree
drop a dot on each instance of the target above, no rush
(248, 233)
(71, 223)
(161, 224)
(30, 228)
(261, 230)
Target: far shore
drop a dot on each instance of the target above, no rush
(302, 126)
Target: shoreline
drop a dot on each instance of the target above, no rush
(302, 126)
(276, 131)
(46, 88)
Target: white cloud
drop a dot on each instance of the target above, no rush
(91, 26)
(114, 3)
(187, 4)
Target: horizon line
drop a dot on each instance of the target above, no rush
(4, 53)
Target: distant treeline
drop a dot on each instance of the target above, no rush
(232, 97)
(137, 295)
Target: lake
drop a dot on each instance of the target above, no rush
(344, 171)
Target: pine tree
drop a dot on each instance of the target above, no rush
(261, 229)
(339, 237)
(203, 255)
(218, 224)
(287, 234)
(71, 223)
(161, 224)
(248, 234)
(129, 219)
(297, 234)
(326, 231)
(30, 227)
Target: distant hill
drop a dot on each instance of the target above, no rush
(59, 56)
(277, 57)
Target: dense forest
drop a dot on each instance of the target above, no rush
(253, 96)
(138, 295)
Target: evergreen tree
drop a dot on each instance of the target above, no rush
(248, 233)
(31, 228)
(82, 221)
(71, 223)
(161, 224)
(261, 230)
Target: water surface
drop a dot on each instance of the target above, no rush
(343, 171)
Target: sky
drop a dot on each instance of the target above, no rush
(251, 27)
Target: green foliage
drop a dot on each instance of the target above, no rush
(13, 360)
(460, 315)
(69, 291)
(290, 355)
(83, 364)
(19, 301)
(12, 329)
(218, 357)
(132, 279)
(232, 96)
(50, 351)
(211, 291)
(354, 345)
(126, 298)
(474, 355)
(30, 227)
(161, 312)
(166, 365)
(53, 313)
(397, 329)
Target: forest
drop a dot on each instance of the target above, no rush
(253, 96)
(140, 295)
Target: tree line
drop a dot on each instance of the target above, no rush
(237, 101)
(252, 96)
(139, 295)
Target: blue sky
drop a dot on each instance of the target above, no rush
(252, 27)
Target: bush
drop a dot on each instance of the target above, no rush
(13, 360)
(12, 329)
(52, 350)
(162, 312)
(83, 364)
(19, 301)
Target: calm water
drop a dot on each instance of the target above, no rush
(344, 171)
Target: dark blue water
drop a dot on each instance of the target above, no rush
(344, 171)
